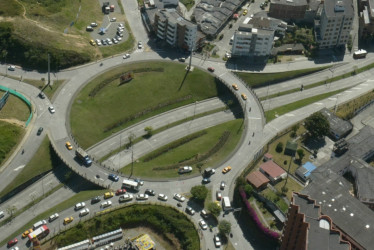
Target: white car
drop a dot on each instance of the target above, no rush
(51, 109)
(162, 197)
(140, 45)
(79, 205)
(179, 197)
(120, 25)
(185, 169)
(84, 212)
(142, 197)
(12, 68)
(118, 38)
(217, 241)
(106, 204)
(113, 19)
(203, 224)
(222, 185)
(114, 41)
(93, 24)
(53, 217)
(125, 197)
(98, 42)
(125, 56)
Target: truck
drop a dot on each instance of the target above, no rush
(83, 156)
(39, 233)
(360, 54)
(131, 185)
(209, 171)
(185, 169)
(226, 205)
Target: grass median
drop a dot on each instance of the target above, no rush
(10, 136)
(50, 90)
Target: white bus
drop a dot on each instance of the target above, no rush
(226, 205)
(132, 185)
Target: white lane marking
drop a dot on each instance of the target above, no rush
(356, 88)
(319, 103)
(290, 115)
(20, 167)
(347, 91)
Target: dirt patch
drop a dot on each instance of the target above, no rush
(14, 122)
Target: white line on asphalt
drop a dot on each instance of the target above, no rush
(319, 103)
(20, 167)
(364, 84)
(254, 118)
(356, 88)
(332, 99)
(290, 115)
(348, 91)
(222, 74)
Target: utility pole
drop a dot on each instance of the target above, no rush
(49, 70)
(190, 63)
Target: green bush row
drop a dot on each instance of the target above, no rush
(101, 85)
(163, 220)
(141, 70)
(174, 145)
(144, 112)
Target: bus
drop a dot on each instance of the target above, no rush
(131, 185)
(360, 54)
(39, 233)
(226, 205)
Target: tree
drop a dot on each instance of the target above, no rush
(317, 125)
(279, 147)
(301, 154)
(199, 192)
(248, 189)
(224, 227)
(214, 209)
(149, 131)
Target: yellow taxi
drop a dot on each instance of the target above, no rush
(244, 96)
(108, 195)
(69, 146)
(235, 86)
(245, 12)
(27, 232)
(226, 169)
(92, 42)
(67, 220)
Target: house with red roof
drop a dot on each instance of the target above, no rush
(272, 171)
(257, 179)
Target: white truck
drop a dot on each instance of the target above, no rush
(185, 169)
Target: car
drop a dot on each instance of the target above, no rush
(121, 25)
(68, 145)
(204, 214)
(40, 130)
(68, 220)
(27, 232)
(141, 183)
(84, 212)
(182, 59)
(179, 197)
(93, 24)
(114, 40)
(140, 45)
(203, 224)
(125, 197)
(150, 192)
(12, 242)
(95, 200)
(205, 180)
(244, 96)
(113, 19)
(92, 42)
(120, 29)
(226, 169)
(222, 185)
(190, 211)
(209, 172)
(120, 191)
(245, 12)
(219, 195)
(106, 204)
(41, 95)
(162, 197)
(227, 55)
(235, 86)
(79, 205)
(12, 68)
(89, 28)
(119, 38)
(51, 109)
(142, 197)
(103, 42)
(15, 248)
(108, 195)
(217, 241)
(120, 34)
(211, 69)
(39, 224)
(98, 42)
(113, 177)
(185, 169)
(109, 42)
(125, 56)
(53, 217)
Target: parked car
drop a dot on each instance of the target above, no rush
(219, 195)
(68, 145)
(125, 197)
(79, 205)
(27, 232)
(182, 59)
(150, 192)
(93, 24)
(95, 200)
(185, 169)
(162, 197)
(211, 69)
(142, 197)
(41, 95)
(109, 42)
(89, 28)
(226, 169)
(113, 177)
(98, 42)
(125, 56)
(92, 42)
(108, 195)
(12, 242)
(51, 109)
(140, 45)
(12, 68)
(114, 40)
(244, 96)
(190, 211)
(53, 217)
(68, 220)
(40, 130)
(204, 214)
(217, 240)
(222, 185)
(120, 191)
(106, 204)
(203, 224)
(179, 197)
(113, 19)
(235, 86)
(103, 42)
(118, 38)
(120, 34)
(84, 212)
(121, 25)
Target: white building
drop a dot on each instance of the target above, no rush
(335, 24)
(249, 41)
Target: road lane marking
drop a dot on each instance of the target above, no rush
(319, 103)
(18, 168)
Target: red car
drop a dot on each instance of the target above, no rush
(211, 69)
(120, 191)
(12, 242)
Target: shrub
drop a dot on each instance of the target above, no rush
(199, 192)
(279, 147)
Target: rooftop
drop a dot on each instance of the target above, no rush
(272, 169)
(335, 8)
(338, 126)
(257, 179)
(290, 2)
(174, 17)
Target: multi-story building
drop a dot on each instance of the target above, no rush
(250, 41)
(288, 9)
(172, 28)
(333, 29)
(366, 18)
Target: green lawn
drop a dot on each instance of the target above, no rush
(142, 97)
(49, 91)
(188, 3)
(274, 113)
(189, 150)
(261, 79)
(10, 136)
(291, 185)
(271, 195)
(15, 108)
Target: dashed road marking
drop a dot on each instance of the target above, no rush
(20, 167)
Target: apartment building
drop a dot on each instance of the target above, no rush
(333, 29)
(250, 41)
(366, 18)
(288, 9)
(172, 28)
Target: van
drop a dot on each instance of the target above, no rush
(2, 214)
(89, 28)
(39, 224)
